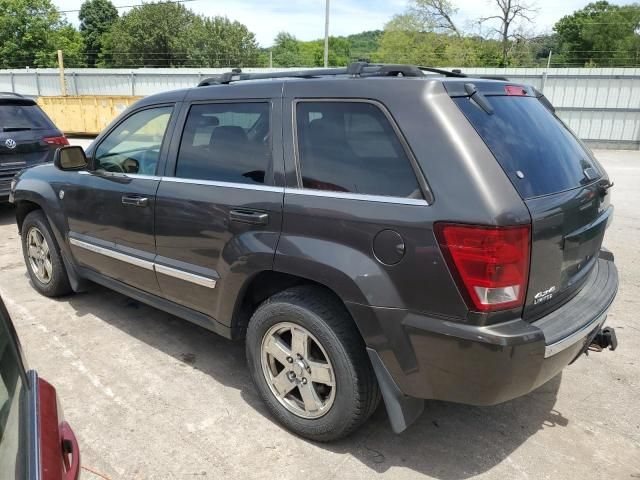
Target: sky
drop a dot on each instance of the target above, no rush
(305, 18)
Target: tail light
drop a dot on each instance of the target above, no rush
(56, 140)
(515, 90)
(490, 264)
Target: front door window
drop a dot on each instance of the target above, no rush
(133, 147)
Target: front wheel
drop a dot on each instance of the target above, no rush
(310, 365)
(42, 256)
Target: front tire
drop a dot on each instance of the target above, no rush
(309, 364)
(42, 256)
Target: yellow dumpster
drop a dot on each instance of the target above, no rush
(84, 114)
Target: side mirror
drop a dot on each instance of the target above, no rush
(70, 159)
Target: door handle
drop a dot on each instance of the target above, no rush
(135, 201)
(249, 216)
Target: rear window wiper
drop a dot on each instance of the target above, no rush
(478, 98)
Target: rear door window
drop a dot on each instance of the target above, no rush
(352, 147)
(535, 148)
(15, 117)
(226, 142)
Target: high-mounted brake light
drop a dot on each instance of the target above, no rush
(56, 140)
(515, 90)
(490, 264)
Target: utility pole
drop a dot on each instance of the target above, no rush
(326, 35)
(63, 84)
(270, 58)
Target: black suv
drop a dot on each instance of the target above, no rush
(27, 138)
(377, 229)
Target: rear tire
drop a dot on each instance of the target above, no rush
(42, 256)
(334, 376)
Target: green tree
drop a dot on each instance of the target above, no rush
(286, 51)
(362, 46)
(408, 39)
(170, 35)
(96, 18)
(600, 34)
(30, 33)
(151, 35)
(223, 43)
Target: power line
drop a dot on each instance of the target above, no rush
(133, 6)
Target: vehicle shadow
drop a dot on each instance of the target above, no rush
(449, 441)
(7, 214)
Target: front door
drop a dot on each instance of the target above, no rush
(110, 208)
(218, 209)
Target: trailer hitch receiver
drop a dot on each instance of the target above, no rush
(605, 338)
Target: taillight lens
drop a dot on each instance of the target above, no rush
(490, 263)
(56, 140)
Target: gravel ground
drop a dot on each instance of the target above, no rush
(153, 397)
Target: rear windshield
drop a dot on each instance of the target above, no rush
(22, 117)
(537, 151)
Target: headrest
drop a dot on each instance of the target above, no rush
(227, 134)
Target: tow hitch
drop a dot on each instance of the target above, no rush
(603, 339)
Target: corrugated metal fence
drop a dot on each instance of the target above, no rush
(601, 104)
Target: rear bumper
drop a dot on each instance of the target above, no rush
(432, 358)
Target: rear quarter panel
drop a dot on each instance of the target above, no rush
(330, 240)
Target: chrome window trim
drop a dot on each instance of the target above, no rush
(107, 252)
(120, 175)
(559, 346)
(356, 196)
(212, 183)
(145, 264)
(293, 191)
(186, 276)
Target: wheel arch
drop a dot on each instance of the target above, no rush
(267, 283)
(24, 208)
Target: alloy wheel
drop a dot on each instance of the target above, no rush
(298, 370)
(39, 255)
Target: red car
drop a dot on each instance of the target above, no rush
(35, 441)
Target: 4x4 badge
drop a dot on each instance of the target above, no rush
(544, 295)
(10, 143)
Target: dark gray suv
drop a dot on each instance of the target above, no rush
(378, 230)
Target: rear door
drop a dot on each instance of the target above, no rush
(564, 187)
(219, 206)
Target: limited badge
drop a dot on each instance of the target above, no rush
(544, 295)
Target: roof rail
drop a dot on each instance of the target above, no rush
(356, 69)
(11, 94)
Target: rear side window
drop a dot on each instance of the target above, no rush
(352, 147)
(537, 151)
(226, 142)
(14, 117)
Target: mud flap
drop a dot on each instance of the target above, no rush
(402, 410)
